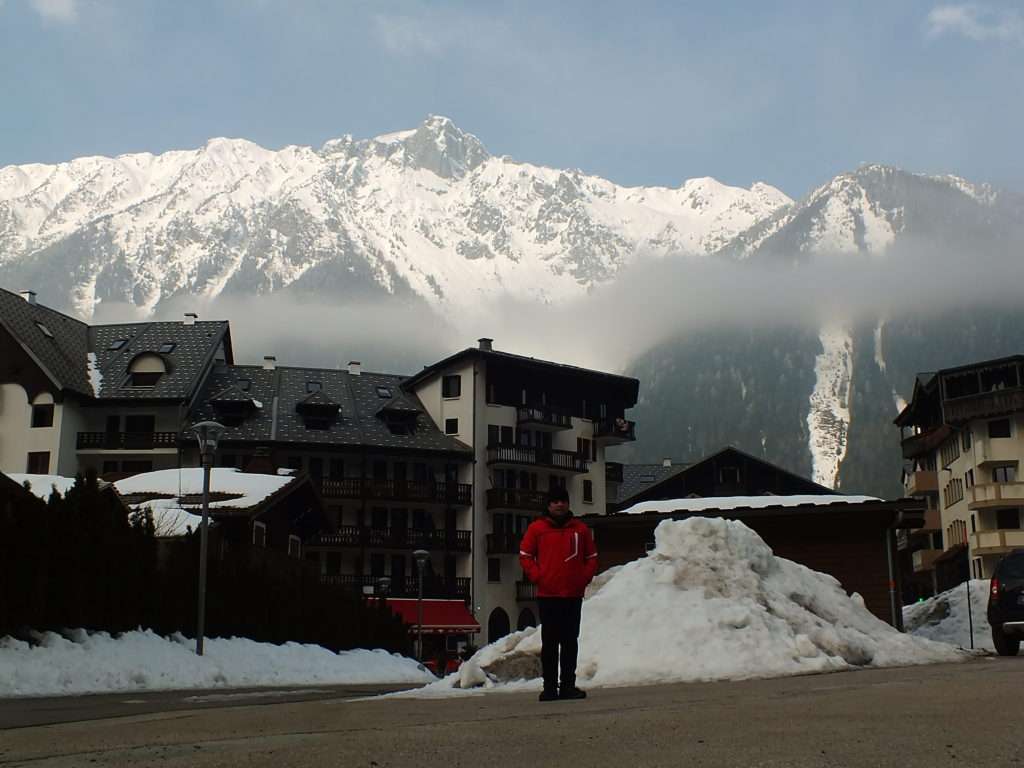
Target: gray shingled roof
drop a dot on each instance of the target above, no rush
(279, 391)
(62, 357)
(638, 477)
(194, 347)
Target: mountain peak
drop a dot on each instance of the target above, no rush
(440, 146)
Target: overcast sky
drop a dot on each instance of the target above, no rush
(642, 92)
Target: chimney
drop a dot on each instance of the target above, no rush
(190, 318)
(269, 362)
(29, 296)
(486, 344)
(666, 462)
(355, 368)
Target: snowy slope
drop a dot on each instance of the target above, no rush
(426, 210)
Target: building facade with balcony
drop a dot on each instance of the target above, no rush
(963, 441)
(531, 425)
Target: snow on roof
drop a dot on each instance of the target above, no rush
(248, 489)
(43, 485)
(709, 602)
(740, 502)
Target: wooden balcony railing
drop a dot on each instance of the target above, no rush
(126, 441)
(543, 417)
(396, 538)
(984, 405)
(503, 543)
(526, 590)
(413, 491)
(550, 458)
(516, 498)
(408, 586)
(615, 430)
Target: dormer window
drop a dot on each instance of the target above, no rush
(384, 392)
(146, 370)
(313, 386)
(167, 347)
(116, 344)
(45, 331)
(244, 384)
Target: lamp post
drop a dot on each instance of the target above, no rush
(208, 433)
(421, 556)
(383, 585)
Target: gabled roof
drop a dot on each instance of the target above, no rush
(640, 477)
(317, 400)
(281, 390)
(231, 394)
(630, 386)
(61, 355)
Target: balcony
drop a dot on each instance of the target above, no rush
(396, 538)
(515, 498)
(996, 542)
(525, 590)
(997, 402)
(932, 521)
(413, 491)
(614, 431)
(543, 419)
(923, 482)
(924, 442)
(408, 586)
(999, 450)
(503, 543)
(127, 441)
(548, 458)
(924, 559)
(612, 472)
(987, 495)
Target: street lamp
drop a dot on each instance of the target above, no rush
(208, 433)
(383, 585)
(421, 556)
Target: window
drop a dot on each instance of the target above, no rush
(336, 469)
(494, 569)
(999, 428)
(950, 451)
(378, 518)
(316, 467)
(295, 462)
(259, 533)
(135, 467)
(969, 478)
(313, 422)
(45, 331)
(167, 347)
(588, 491)
(1007, 474)
(492, 435)
(1007, 518)
(451, 386)
(116, 344)
(42, 415)
(383, 392)
(109, 467)
(244, 384)
(145, 378)
(965, 439)
(313, 386)
(583, 447)
(974, 524)
(294, 546)
(39, 463)
(507, 436)
(377, 565)
(730, 476)
(451, 426)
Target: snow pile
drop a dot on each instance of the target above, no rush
(945, 617)
(710, 602)
(43, 485)
(248, 489)
(82, 662)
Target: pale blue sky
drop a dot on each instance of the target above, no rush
(641, 92)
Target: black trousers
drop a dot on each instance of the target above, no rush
(559, 631)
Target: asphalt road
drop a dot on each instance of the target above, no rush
(967, 714)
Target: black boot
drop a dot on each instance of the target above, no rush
(570, 691)
(548, 694)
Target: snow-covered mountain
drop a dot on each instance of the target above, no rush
(426, 212)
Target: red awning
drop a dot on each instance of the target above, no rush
(440, 617)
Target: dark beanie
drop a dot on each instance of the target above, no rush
(558, 494)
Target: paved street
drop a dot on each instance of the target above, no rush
(967, 714)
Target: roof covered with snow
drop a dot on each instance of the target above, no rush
(727, 503)
(245, 490)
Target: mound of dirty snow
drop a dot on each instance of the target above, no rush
(709, 602)
(945, 617)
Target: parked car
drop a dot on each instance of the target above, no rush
(1006, 604)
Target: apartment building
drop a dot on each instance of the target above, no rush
(962, 436)
(455, 460)
(531, 425)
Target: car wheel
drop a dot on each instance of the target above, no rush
(1005, 645)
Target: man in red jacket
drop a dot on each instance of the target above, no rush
(559, 556)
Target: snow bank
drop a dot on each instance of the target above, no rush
(710, 602)
(944, 617)
(84, 662)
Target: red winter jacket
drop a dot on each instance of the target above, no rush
(560, 559)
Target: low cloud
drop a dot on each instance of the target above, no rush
(61, 11)
(976, 22)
